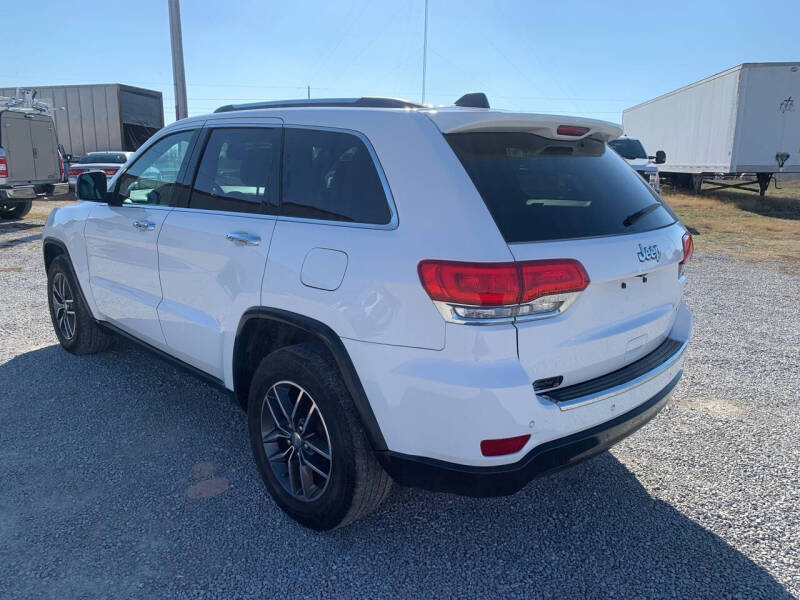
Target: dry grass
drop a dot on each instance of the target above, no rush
(743, 224)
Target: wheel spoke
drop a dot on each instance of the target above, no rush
(281, 456)
(294, 471)
(306, 477)
(296, 404)
(284, 427)
(316, 469)
(275, 435)
(319, 446)
(282, 398)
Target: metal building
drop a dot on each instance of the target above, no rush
(109, 116)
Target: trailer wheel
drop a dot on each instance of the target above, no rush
(763, 180)
(697, 182)
(17, 210)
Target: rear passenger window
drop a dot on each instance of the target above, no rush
(331, 176)
(239, 171)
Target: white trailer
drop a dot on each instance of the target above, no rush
(745, 120)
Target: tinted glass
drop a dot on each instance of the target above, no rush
(239, 171)
(331, 176)
(628, 148)
(102, 157)
(152, 178)
(541, 189)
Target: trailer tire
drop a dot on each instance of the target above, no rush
(16, 210)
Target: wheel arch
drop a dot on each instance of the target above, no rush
(263, 329)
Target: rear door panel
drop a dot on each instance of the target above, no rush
(17, 143)
(45, 149)
(626, 311)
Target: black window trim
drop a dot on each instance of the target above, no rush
(387, 191)
(190, 176)
(195, 128)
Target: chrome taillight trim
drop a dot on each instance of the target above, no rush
(450, 314)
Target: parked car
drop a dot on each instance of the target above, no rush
(30, 166)
(108, 162)
(451, 298)
(634, 154)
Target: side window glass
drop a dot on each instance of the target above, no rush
(152, 179)
(239, 171)
(330, 175)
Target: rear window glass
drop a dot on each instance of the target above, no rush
(103, 157)
(541, 189)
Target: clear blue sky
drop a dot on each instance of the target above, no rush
(590, 58)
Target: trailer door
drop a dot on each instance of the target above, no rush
(16, 140)
(768, 123)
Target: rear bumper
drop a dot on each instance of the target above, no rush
(502, 480)
(32, 192)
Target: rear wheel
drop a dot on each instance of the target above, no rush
(74, 326)
(308, 442)
(15, 210)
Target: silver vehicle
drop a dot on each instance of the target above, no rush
(30, 164)
(109, 162)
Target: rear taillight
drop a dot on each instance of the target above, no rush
(479, 292)
(60, 166)
(572, 130)
(688, 250)
(504, 445)
(110, 172)
(75, 171)
(3, 166)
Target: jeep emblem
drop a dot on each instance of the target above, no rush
(648, 253)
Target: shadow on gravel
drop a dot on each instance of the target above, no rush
(98, 453)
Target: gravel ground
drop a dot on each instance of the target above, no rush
(123, 477)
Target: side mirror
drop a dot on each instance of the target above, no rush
(68, 157)
(661, 157)
(92, 186)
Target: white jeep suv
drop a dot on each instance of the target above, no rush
(459, 299)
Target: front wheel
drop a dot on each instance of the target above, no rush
(308, 442)
(74, 326)
(17, 210)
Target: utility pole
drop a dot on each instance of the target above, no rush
(425, 52)
(309, 92)
(178, 74)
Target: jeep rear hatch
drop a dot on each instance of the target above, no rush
(555, 198)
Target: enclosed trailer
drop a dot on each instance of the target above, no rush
(745, 120)
(101, 117)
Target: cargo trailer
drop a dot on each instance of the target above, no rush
(743, 123)
(98, 117)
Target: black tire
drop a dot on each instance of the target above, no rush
(357, 484)
(84, 336)
(16, 210)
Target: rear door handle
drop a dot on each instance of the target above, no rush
(144, 225)
(243, 239)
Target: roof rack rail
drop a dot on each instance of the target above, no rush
(365, 102)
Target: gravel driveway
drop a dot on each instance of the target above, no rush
(123, 477)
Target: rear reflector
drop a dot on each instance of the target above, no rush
(572, 130)
(3, 166)
(504, 445)
(500, 284)
(688, 247)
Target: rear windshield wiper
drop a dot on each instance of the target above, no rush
(639, 214)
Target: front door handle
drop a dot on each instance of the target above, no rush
(243, 239)
(144, 225)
